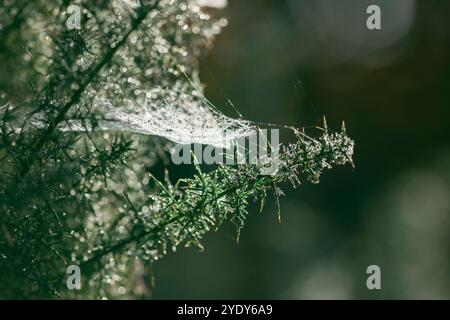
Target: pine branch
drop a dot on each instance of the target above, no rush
(92, 73)
(204, 204)
(91, 199)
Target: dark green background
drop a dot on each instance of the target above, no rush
(290, 62)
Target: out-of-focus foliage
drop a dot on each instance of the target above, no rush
(306, 58)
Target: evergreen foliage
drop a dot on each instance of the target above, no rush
(89, 197)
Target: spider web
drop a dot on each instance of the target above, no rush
(172, 113)
(180, 113)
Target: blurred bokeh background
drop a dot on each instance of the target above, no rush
(291, 62)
